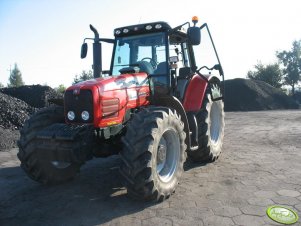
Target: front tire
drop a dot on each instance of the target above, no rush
(153, 154)
(211, 124)
(48, 161)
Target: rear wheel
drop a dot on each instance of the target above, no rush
(153, 153)
(48, 161)
(210, 128)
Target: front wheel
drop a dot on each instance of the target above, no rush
(48, 161)
(153, 154)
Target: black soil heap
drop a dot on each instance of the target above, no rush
(253, 95)
(16, 105)
(36, 95)
(13, 112)
(297, 97)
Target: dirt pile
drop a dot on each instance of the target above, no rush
(16, 105)
(297, 97)
(8, 138)
(35, 95)
(252, 95)
(13, 113)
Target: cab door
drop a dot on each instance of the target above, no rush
(206, 68)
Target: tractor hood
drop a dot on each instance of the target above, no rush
(111, 83)
(104, 101)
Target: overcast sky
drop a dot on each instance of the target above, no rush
(44, 37)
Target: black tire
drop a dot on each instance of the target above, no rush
(211, 124)
(146, 154)
(39, 157)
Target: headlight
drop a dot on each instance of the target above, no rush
(71, 115)
(85, 115)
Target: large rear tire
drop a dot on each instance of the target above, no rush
(211, 126)
(153, 154)
(48, 161)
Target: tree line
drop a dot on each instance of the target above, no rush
(15, 78)
(284, 72)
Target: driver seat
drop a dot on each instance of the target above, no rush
(182, 82)
(161, 68)
(145, 67)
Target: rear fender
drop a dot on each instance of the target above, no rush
(196, 90)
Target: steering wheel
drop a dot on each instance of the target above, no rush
(151, 61)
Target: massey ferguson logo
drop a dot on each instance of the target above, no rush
(76, 91)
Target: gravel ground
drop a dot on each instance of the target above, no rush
(260, 166)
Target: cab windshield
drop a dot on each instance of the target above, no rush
(140, 53)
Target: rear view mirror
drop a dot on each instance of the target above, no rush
(194, 35)
(84, 50)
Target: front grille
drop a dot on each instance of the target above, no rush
(79, 103)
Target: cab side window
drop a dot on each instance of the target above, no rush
(182, 53)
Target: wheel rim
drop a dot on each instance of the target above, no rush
(215, 120)
(168, 154)
(60, 164)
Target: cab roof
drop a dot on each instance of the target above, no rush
(142, 29)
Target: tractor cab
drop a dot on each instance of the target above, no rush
(169, 56)
(166, 54)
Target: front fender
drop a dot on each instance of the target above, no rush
(174, 103)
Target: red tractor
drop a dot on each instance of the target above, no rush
(159, 102)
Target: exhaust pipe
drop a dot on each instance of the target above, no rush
(97, 59)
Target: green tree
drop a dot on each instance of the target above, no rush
(1, 85)
(291, 60)
(60, 89)
(270, 74)
(15, 78)
(85, 75)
